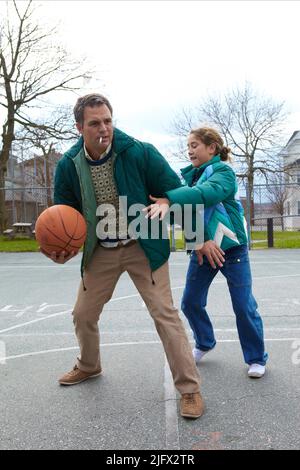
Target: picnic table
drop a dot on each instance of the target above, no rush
(20, 228)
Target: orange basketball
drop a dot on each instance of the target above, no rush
(60, 228)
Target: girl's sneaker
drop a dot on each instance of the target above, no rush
(198, 354)
(256, 371)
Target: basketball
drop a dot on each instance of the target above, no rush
(60, 228)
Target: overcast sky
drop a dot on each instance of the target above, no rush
(154, 57)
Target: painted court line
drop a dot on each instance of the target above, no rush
(172, 431)
(219, 281)
(21, 266)
(251, 262)
(35, 321)
(123, 332)
(171, 416)
(129, 343)
(57, 314)
(47, 351)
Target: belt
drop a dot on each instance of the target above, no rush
(120, 245)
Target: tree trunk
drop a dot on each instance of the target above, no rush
(48, 182)
(3, 216)
(47, 176)
(7, 140)
(250, 200)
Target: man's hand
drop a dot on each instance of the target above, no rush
(213, 253)
(160, 208)
(59, 258)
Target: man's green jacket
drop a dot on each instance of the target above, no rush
(139, 170)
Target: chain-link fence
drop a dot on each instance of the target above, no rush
(28, 186)
(272, 215)
(278, 202)
(26, 204)
(273, 208)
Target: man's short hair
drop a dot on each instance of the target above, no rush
(92, 100)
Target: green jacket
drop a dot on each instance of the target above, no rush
(216, 189)
(139, 170)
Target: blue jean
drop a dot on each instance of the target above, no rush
(236, 269)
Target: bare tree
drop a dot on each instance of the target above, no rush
(32, 67)
(250, 124)
(46, 141)
(278, 193)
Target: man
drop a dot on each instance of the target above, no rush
(104, 164)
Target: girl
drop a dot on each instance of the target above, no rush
(211, 182)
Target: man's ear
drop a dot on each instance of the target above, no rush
(79, 127)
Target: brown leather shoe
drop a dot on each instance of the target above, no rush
(191, 405)
(75, 376)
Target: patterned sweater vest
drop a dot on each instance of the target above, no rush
(114, 223)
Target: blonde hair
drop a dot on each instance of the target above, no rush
(209, 136)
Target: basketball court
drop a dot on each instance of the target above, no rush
(133, 405)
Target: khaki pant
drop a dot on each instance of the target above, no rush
(100, 279)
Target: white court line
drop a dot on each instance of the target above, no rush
(271, 277)
(35, 321)
(251, 262)
(219, 281)
(275, 262)
(124, 332)
(57, 314)
(172, 431)
(21, 267)
(256, 278)
(129, 343)
(47, 351)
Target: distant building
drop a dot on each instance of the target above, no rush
(291, 162)
(29, 186)
(262, 211)
(39, 170)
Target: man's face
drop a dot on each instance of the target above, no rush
(97, 122)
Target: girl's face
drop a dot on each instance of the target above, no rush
(199, 153)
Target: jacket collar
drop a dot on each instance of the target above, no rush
(121, 142)
(189, 171)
